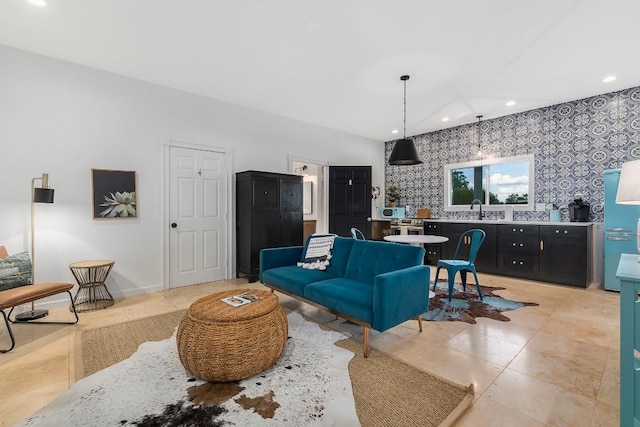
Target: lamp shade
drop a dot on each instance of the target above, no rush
(629, 186)
(43, 195)
(404, 153)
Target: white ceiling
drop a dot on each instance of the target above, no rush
(337, 63)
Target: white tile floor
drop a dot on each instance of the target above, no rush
(555, 364)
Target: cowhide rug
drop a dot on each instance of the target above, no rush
(308, 385)
(466, 306)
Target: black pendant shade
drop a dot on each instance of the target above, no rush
(404, 152)
(43, 195)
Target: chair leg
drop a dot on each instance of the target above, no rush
(13, 340)
(75, 313)
(477, 284)
(463, 279)
(451, 280)
(420, 323)
(436, 279)
(8, 321)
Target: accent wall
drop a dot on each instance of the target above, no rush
(573, 144)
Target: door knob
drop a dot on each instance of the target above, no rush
(174, 225)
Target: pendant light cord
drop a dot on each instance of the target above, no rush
(479, 117)
(404, 114)
(404, 121)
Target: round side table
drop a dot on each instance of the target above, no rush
(93, 293)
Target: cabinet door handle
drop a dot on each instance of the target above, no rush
(565, 231)
(542, 245)
(521, 244)
(521, 262)
(513, 262)
(513, 244)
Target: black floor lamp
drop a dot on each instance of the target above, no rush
(38, 195)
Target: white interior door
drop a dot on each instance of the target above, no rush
(198, 216)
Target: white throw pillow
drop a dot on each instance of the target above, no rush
(318, 252)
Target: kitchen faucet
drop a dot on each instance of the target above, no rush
(479, 202)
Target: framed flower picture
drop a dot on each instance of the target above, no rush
(114, 194)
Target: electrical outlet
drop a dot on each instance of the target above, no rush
(540, 207)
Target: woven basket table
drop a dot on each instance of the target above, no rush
(221, 343)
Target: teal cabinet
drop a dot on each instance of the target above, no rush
(629, 275)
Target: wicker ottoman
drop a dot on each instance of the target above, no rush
(221, 343)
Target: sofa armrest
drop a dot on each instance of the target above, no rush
(399, 296)
(279, 257)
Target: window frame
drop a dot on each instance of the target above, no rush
(529, 206)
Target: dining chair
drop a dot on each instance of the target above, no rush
(357, 234)
(474, 239)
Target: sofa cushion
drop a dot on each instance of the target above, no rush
(369, 258)
(15, 270)
(349, 297)
(293, 279)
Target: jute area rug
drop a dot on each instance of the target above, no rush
(386, 392)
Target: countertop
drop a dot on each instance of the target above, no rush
(492, 221)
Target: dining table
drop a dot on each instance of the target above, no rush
(417, 240)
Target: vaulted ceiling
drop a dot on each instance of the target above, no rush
(337, 63)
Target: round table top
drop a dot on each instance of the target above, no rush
(91, 264)
(416, 238)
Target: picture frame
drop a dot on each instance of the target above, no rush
(113, 194)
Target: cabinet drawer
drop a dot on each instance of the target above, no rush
(568, 232)
(518, 265)
(517, 230)
(432, 227)
(433, 254)
(522, 245)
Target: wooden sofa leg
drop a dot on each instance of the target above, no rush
(365, 340)
(420, 323)
(13, 340)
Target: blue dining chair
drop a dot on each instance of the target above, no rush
(474, 238)
(357, 234)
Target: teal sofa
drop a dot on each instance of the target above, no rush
(373, 284)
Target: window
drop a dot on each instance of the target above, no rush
(495, 182)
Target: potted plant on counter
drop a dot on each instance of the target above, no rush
(393, 195)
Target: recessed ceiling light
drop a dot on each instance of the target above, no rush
(40, 3)
(312, 27)
(395, 131)
(510, 103)
(445, 119)
(608, 79)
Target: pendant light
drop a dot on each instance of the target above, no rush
(404, 152)
(479, 152)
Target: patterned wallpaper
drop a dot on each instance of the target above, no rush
(573, 144)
